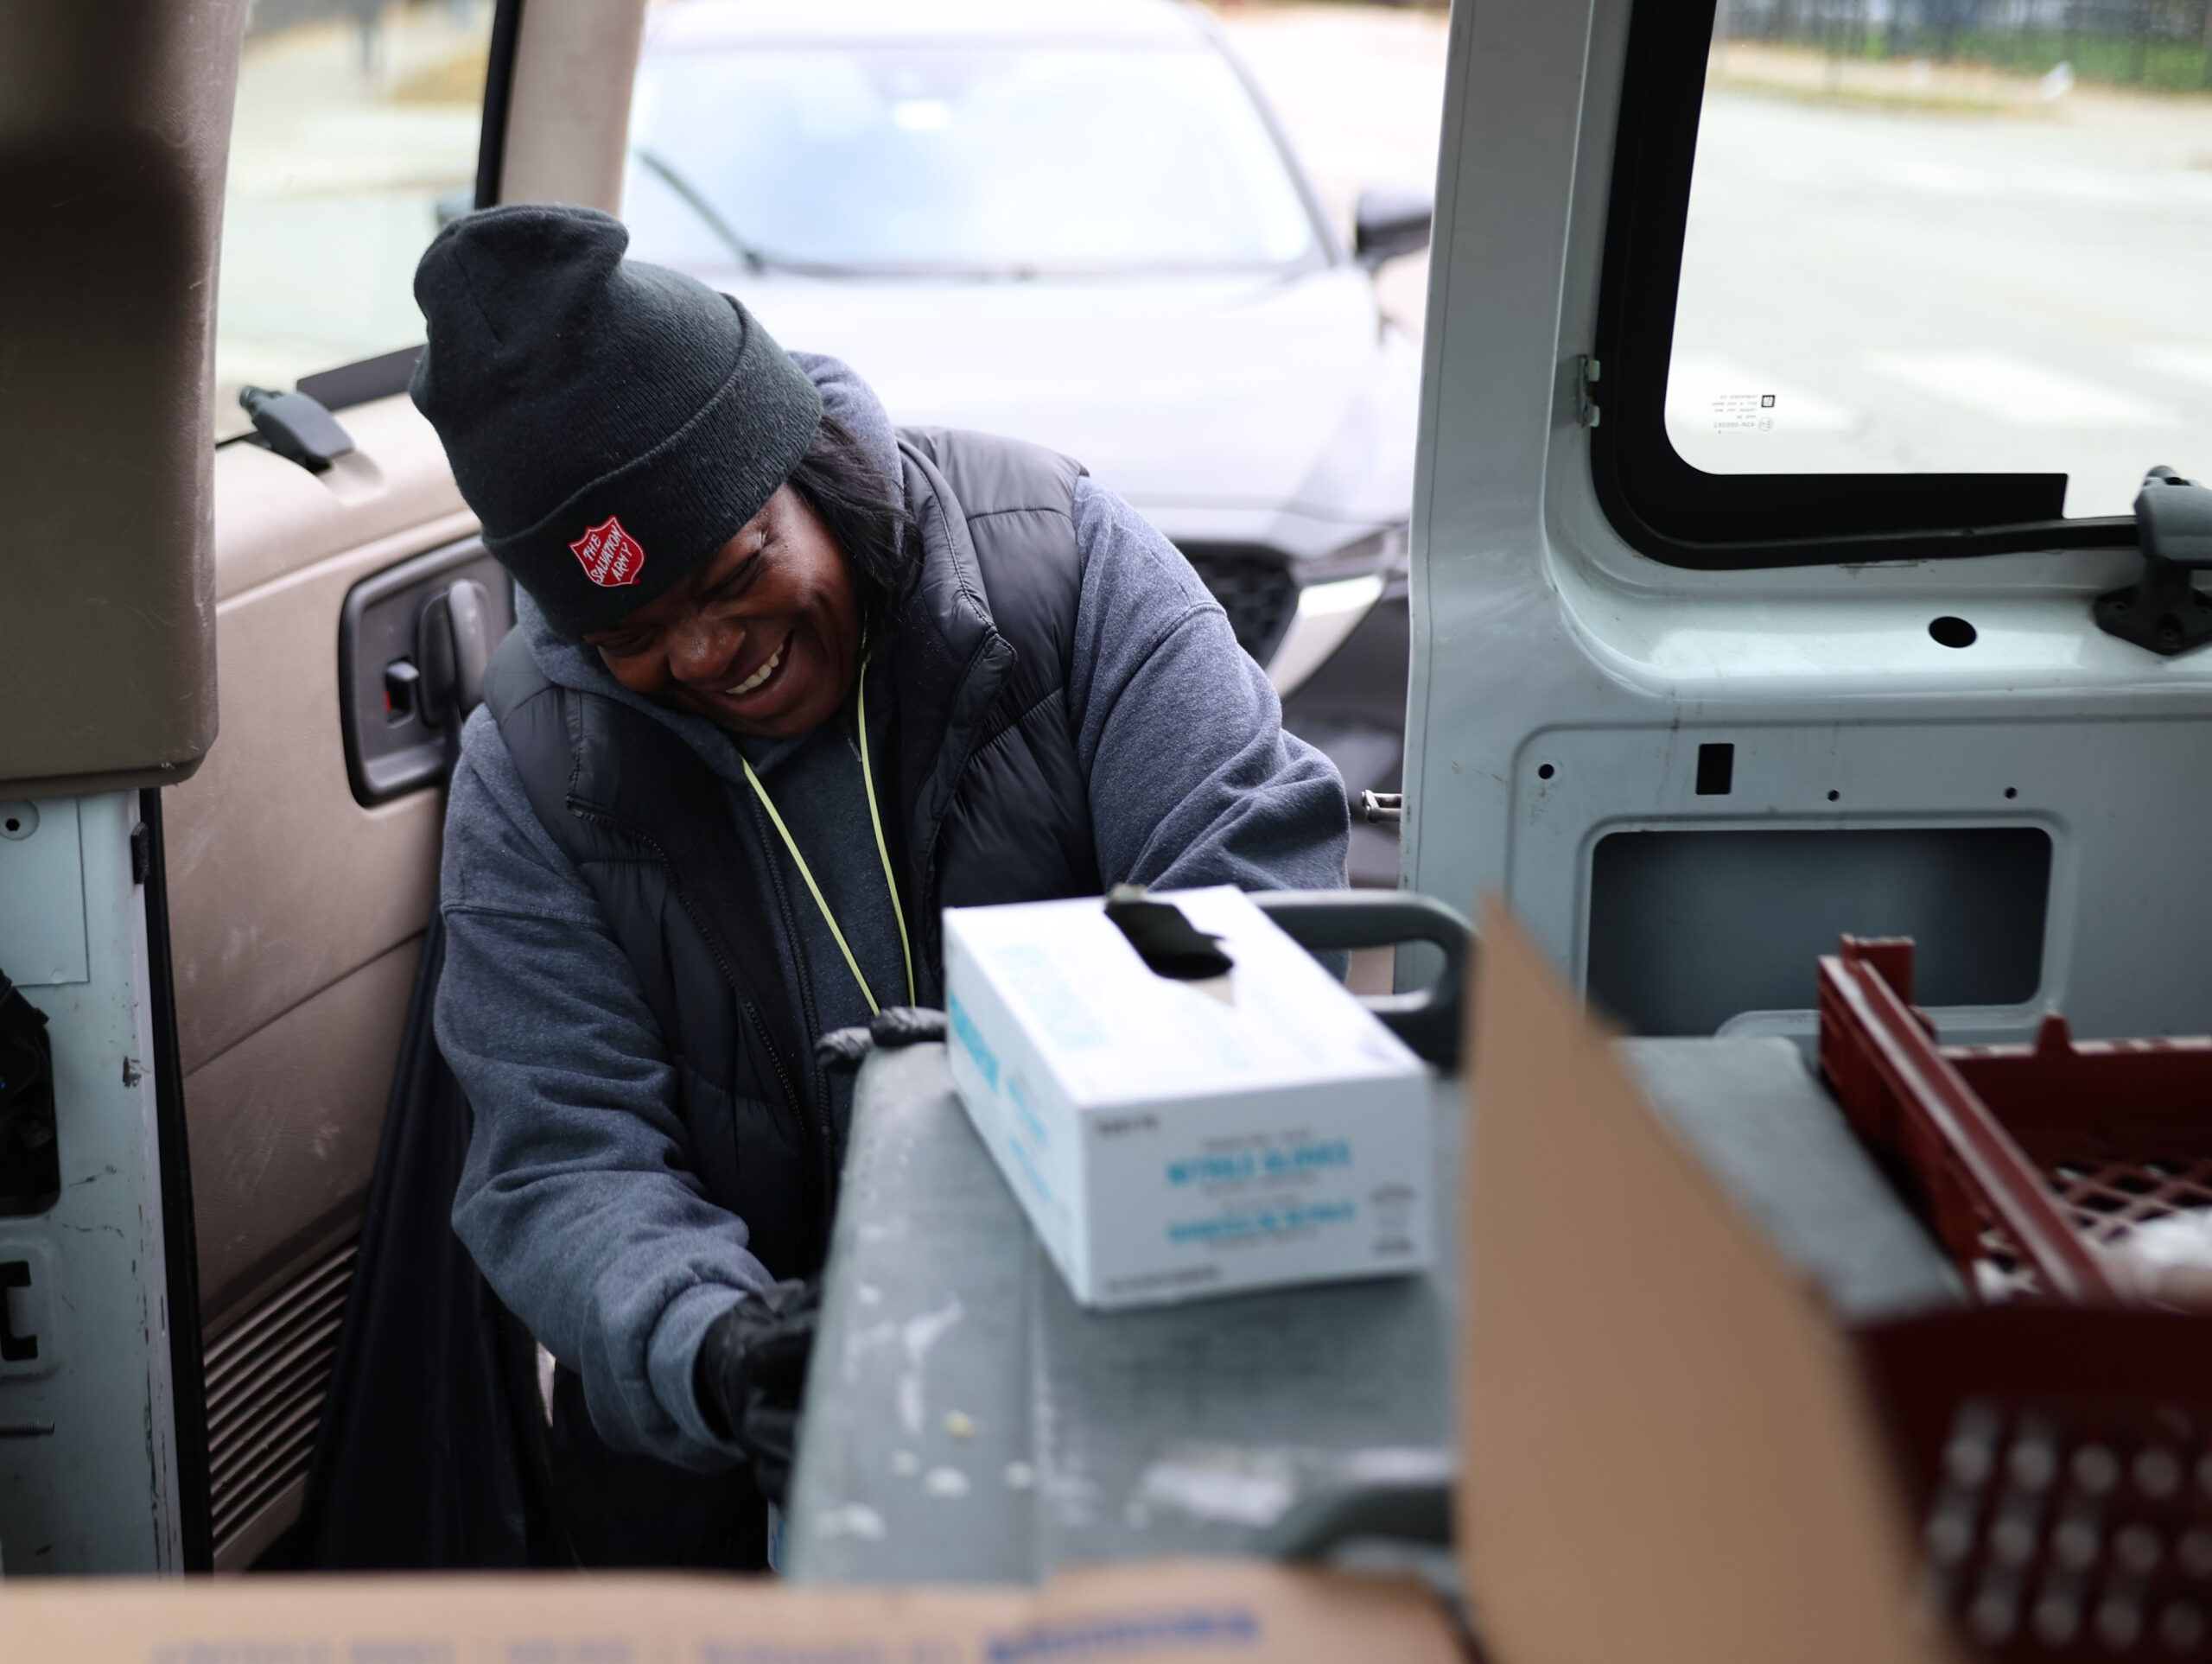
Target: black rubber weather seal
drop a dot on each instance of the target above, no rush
(180, 1230)
(499, 95)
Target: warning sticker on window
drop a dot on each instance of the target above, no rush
(1743, 413)
(1708, 396)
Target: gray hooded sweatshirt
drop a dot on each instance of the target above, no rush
(577, 1200)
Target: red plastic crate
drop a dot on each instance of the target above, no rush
(2057, 1443)
(2058, 1460)
(2030, 1160)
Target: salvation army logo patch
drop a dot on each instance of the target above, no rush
(611, 557)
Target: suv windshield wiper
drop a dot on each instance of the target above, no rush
(757, 259)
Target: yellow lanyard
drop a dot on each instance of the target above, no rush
(875, 820)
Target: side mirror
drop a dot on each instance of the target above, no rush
(1387, 223)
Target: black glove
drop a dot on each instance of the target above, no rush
(844, 1050)
(896, 1025)
(751, 1377)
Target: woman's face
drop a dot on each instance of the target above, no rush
(764, 640)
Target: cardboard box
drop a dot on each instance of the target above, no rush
(1171, 1139)
(1671, 1451)
(1172, 1612)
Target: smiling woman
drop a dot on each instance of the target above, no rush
(763, 639)
(788, 683)
(787, 600)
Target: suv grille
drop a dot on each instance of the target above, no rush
(1254, 587)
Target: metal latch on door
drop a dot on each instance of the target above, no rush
(2164, 611)
(297, 427)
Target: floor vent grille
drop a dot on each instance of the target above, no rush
(266, 1382)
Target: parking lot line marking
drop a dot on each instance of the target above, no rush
(2020, 392)
(2189, 362)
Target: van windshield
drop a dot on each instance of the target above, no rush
(1008, 160)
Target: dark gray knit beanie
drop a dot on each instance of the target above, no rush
(612, 423)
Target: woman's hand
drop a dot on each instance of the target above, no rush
(751, 1377)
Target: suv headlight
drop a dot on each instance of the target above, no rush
(1336, 591)
(1379, 554)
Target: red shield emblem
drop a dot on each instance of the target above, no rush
(611, 557)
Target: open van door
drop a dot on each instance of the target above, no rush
(354, 610)
(1788, 385)
(114, 163)
(1781, 555)
(305, 578)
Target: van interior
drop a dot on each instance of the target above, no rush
(1708, 665)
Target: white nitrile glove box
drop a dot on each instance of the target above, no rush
(1170, 1140)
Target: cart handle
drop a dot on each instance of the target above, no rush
(1326, 921)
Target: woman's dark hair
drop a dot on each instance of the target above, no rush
(864, 512)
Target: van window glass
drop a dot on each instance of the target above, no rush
(1006, 160)
(1966, 238)
(355, 120)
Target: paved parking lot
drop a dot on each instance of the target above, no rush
(340, 152)
(1984, 278)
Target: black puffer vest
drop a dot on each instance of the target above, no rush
(985, 799)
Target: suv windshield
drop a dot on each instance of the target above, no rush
(1975, 239)
(998, 160)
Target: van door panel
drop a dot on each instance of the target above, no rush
(286, 1122)
(297, 917)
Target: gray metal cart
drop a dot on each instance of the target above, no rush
(967, 1421)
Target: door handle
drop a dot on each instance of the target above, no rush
(414, 642)
(457, 634)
